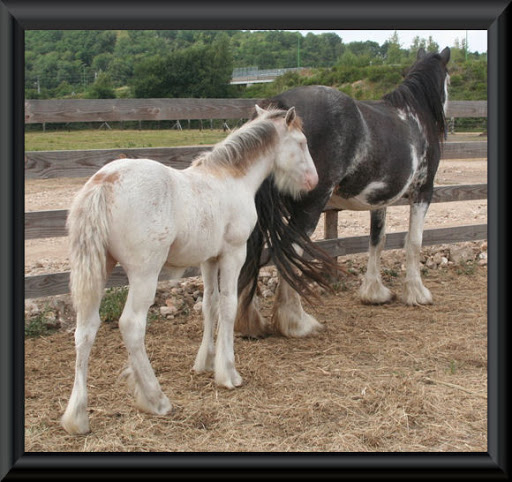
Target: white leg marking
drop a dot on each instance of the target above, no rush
(372, 290)
(414, 292)
(249, 321)
(288, 316)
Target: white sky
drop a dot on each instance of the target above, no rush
(477, 39)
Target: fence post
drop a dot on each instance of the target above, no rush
(331, 226)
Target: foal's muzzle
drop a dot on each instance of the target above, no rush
(310, 180)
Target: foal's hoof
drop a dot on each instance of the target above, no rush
(78, 425)
(231, 381)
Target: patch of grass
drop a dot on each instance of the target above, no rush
(390, 272)
(466, 267)
(112, 304)
(339, 286)
(119, 139)
(41, 324)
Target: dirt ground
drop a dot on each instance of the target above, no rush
(385, 378)
(377, 379)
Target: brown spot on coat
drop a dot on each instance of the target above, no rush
(102, 177)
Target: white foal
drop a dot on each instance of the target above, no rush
(145, 215)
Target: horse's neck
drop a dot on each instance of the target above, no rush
(258, 171)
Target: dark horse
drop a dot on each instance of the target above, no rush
(368, 154)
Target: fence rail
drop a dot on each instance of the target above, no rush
(110, 110)
(54, 164)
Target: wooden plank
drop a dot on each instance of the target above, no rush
(52, 224)
(58, 283)
(359, 244)
(464, 150)
(108, 110)
(45, 224)
(467, 108)
(53, 164)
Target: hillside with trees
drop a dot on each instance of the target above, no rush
(199, 63)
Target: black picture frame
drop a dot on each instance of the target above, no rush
(16, 16)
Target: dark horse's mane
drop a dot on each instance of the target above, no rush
(418, 93)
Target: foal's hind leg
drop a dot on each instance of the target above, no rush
(372, 290)
(148, 394)
(414, 293)
(75, 419)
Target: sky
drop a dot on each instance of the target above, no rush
(477, 39)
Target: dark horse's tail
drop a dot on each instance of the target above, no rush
(277, 230)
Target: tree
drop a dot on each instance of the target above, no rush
(393, 49)
(198, 71)
(101, 89)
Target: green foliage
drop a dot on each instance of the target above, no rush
(198, 63)
(101, 89)
(197, 71)
(112, 304)
(41, 324)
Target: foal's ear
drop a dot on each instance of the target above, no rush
(445, 55)
(259, 110)
(421, 53)
(290, 116)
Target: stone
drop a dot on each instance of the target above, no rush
(460, 254)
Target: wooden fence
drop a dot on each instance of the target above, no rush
(54, 164)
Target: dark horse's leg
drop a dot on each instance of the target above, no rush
(372, 290)
(288, 315)
(414, 293)
(249, 322)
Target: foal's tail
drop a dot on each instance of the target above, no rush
(276, 228)
(88, 227)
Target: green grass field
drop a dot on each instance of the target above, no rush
(125, 139)
(119, 139)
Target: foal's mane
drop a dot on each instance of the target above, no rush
(242, 146)
(420, 92)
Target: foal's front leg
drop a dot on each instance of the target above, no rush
(206, 354)
(229, 266)
(414, 292)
